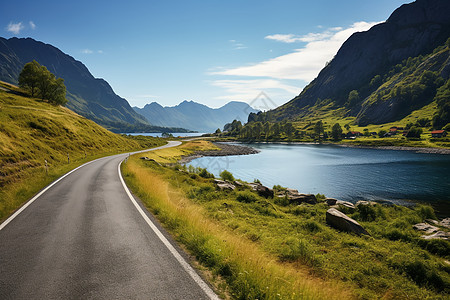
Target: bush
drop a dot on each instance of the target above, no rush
(246, 197)
(205, 174)
(225, 175)
(425, 212)
(367, 213)
(438, 247)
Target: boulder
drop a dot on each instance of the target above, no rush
(330, 201)
(445, 223)
(303, 198)
(439, 235)
(342, 222)
(363, 202)
(425, 227)
(262, 190)
(225, 186)
(346, 204)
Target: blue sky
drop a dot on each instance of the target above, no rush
(210, 52)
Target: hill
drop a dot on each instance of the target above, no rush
(195, 116)
(33, 132)
(370, 65)
(90, 97)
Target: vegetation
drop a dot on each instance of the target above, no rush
(40, 82)
(36, 140)
(271, 249)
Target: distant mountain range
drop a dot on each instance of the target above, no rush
(90, 97)
(383, 74)
(195, 116)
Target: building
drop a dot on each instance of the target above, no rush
(438, 133)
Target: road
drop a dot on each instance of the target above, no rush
(84, 238)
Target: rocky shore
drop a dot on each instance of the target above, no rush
(402, 148)
(226, 149)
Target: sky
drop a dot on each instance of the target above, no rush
(211, 52)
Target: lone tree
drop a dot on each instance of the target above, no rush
(319, 129)
(336, 132)
(41, 83)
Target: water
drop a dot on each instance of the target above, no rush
(175, 134)
(349, 174)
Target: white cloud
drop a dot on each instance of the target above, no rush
(304, 63)
(15, 28)
(32, 25)
(100, 51)
(236, 45)
(87, 51)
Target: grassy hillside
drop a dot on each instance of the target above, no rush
(273, 249)
(33, 131)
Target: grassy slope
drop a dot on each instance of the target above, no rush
(268, 249)
(32, 131)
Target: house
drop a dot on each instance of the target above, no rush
(438, 133)
(353, 134)
(393, 130)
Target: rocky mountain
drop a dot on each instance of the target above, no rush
(90, 97)
(195, 116)
(367, 61)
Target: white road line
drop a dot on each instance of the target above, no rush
(169, 144)
(40, 194)
(187, 267)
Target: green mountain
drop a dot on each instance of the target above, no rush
(195, 116)
(90, 97)
(383, 74)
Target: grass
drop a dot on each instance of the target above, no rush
(33, 132)
(270, 249)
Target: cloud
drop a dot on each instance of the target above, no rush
(236, 45)
(303, 63)
(15, 28)
(87, 51)
(32, 25)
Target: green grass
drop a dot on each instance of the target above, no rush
(236, 233)
(33, 131)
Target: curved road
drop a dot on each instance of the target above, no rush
(84, 238)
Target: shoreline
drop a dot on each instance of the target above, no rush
(226, 149)
(423, 150)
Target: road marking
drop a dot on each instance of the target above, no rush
(40, 194)
(187, 267)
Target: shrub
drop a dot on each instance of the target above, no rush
(438, 247)
(226, 175)
(205, 174)
(246, 197)
(367, 213)
(425, 212)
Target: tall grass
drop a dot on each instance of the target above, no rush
(250, 273)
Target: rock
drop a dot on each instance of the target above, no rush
(330, 201)
(292, 192)
(362, 202)
(146, 158)
(262, 190)
(218, 181)
(239, 184)
(439, 235)
(346, 204)
(431, 221)
(226, 186)
(303, 198)
(445, 223)
(342, 222)
(425, 227)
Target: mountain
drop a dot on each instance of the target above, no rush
(377, 59)
(90, 97)
(195, 116)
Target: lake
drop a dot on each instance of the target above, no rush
(343, 173)
(175, 134)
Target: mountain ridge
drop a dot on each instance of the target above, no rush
(412, 30)
(88, 96)
(195, 116)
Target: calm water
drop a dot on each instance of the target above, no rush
(175, 134)
(344, 173)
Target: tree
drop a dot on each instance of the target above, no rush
(353, 98)
(347, 126)
(318, 129)
(218, 131)
(336, 132)
(29, 76)
(41, 83)
(414, 132)
(382, 133)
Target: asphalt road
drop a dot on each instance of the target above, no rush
(85, 239)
